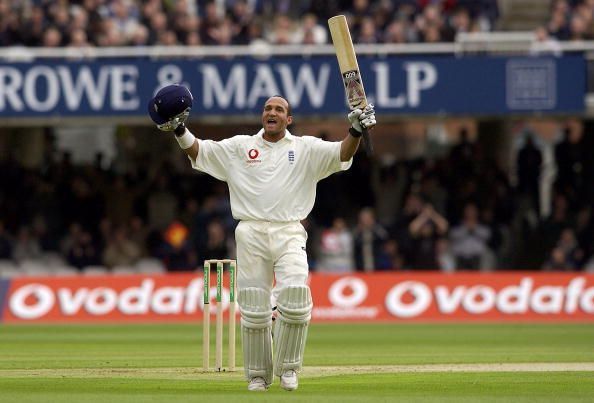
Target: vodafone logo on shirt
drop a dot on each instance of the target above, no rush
(253, 154)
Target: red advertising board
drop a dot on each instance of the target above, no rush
(402, 297)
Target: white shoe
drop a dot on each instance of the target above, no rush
(257, 384)
(288, 380)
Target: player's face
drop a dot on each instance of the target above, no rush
(274, 117)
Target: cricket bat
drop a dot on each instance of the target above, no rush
(349, 69)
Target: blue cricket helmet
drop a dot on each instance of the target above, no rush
(169, 102)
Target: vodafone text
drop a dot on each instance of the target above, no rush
(135, 300)
(353, 297)
(410, 299)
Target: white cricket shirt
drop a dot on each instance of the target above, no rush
(270, 181)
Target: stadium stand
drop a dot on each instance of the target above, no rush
(68, 222)
(172, 227)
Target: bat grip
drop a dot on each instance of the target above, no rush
(367, 142)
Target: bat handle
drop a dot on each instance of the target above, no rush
(368, 143)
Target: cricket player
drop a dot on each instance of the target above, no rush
(272, 177)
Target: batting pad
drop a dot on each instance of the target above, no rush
(294, 305)
(256, 332)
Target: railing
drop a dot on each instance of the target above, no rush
(484, 42)
(23, 54)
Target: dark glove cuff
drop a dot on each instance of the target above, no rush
(180, 130)
(354, 132)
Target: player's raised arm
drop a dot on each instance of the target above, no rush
(169, 109)
(360, 120)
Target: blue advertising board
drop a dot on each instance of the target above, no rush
(239, 85)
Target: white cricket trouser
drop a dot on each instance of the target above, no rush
(271, 253)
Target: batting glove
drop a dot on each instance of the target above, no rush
(175, 122)
(353, 117)
(367, 118)
(362, 119)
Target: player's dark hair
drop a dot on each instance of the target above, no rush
(289, 109)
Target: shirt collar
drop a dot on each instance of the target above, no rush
(288, 135)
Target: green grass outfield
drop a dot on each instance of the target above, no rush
(344, 363)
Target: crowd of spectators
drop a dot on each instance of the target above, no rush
(91, 23)
(92, 216)
(84, 23)
(456, 212)
(570, 20)
(463, 212)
